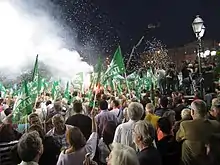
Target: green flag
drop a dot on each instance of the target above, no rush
(117, 65)
(2, 90)
(23, 104)
(55, 90)
(35, 71)
(67, 93)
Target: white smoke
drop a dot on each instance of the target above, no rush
(24, 35)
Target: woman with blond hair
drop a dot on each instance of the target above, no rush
(150, 116)
(122, 155)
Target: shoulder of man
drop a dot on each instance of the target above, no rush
(186, 123)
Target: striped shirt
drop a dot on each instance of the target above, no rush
(5, 153)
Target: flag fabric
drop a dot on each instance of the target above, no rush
(35, 84)
(23, 104)
(117, 65)
(55, 90)
(78, 81)
(35, 76)
(67, 93)
(2, 90)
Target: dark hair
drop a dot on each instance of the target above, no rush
(77, 106)
(164, 102)
(165, 125)
(29, 146)
(109, 132)
(104, 97)
(116, 103)
(103, 105)
(75, 93)
(7, 133)
(76, 138)
(38, 104)
(37, 128)
(177, 100)
(134, 100)
(8, 111)
(32, 115)
(48, 102)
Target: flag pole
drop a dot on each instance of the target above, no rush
(131, 54)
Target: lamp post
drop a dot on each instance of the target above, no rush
(199, 30)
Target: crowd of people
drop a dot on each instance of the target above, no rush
(118, 131)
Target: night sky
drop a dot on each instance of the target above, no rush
(103, 24)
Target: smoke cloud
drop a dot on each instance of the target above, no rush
(24, 34)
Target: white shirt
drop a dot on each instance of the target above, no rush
(161, 73)
(124, 134)
(115, 111)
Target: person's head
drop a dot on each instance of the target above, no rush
(58, 122)
(115, 103)
(75, 138)
(77, 107)
(104, 97)
(164, 102)
(48, 102)
(75, 93)
(143, 134)
(177, 100)
(38, 104)
(57, 105)
(6, 133)
(165, 125)
(30, 147)
(8, 111)
(186, 113)
(216, 110)
(122, 155)
(198, 109)
(34, 119)
(135, 111)
(109, 132)
(149, 108)
(103, 105)
(215, 101)
(37, 128)
(170, 115)
(125, 113)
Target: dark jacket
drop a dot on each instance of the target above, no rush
(149, 156)
(169, 150)
(159, 112)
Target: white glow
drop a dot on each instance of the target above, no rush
(213, 53)
(207, 53)
(22, 36)
(201, 54)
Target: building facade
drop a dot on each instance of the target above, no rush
(189, 51)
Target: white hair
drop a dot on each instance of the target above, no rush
(135, 111)
(146, 131)
(199, 107)
(150, 108)
(123, 155)
(185, 113)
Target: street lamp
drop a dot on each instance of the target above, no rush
(199, 30)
